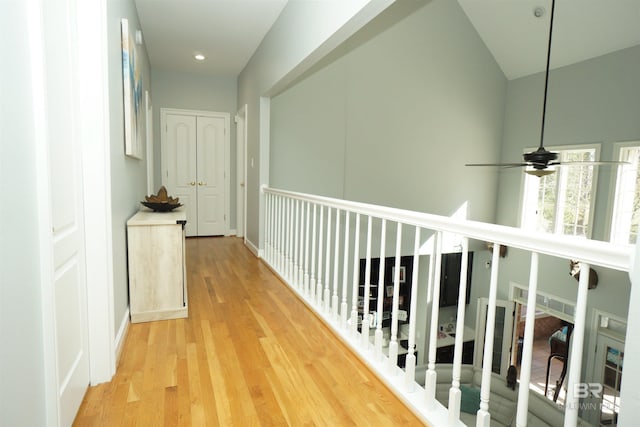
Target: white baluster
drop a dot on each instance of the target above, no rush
(410, 364)
(327, 292)
(435, 265)
(267, 227)
(296, 243)
(454, 391)
(367, 288)
(393, 343)
(379, 334)
(319, 282)
(336, 259)
(301, 249)
(577, 343)
(527, 349)
(345, 273)
(356, 278)
(312, 278)
(281, 233)
(483, 417)
(306, 252)
(287, 233)
(290, 246)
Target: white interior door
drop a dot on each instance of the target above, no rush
(211, 176)
(179, 158)
(66, 294)
(502, 334)
(609, 363)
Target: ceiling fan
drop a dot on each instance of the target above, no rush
(540, 161)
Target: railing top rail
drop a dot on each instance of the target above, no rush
(594, 252)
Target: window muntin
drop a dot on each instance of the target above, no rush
(562, 202)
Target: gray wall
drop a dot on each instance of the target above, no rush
(172, 89)
(302, 35)
(393, 120)
(22, 391)
(128, 175)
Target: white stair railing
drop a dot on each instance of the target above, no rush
(298, 247)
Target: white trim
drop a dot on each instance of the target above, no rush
(233, 232)
(542, 308)
(254, 250)
(148, 108)
(94, 125)
(227, 149)
(121, 336)
(613, 184)
(241, 172)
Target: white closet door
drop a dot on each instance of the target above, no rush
(211, 178)
(181, 173)
(67, 293)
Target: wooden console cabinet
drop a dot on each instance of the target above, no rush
(157, 273)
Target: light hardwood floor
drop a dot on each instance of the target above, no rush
(250, 354)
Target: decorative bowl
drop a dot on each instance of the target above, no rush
(161, 207)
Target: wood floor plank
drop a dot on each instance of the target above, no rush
(249, 354)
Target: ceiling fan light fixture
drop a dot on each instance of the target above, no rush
(540, 172)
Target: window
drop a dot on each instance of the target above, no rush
(626, 204)
(562, 202)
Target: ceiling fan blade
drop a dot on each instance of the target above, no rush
(503, 165)
(590, 163)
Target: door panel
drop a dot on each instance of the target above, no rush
(502, 333)
(68, 287)
(211, 176)
(181, 145)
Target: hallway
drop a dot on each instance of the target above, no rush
(250, 353)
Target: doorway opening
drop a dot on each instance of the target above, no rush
(549, 362)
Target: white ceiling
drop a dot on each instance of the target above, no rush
(229, 31)
(582, 29)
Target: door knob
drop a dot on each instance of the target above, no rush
(202, 183)
(192, 183)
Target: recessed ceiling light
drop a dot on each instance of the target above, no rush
(199, 57)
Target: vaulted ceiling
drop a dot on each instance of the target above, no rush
(228, 32)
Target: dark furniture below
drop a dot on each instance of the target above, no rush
(445, 354)
(558, 349)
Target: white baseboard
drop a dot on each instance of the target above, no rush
(251, 247)
(121, 335)
(233, 232)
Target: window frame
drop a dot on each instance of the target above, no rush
(558, 148)
(613, 187)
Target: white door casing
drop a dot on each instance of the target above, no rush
(241, 162)
(63, 249)
(195, 161)
(502, 337)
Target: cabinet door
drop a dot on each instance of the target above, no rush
(155, 268)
